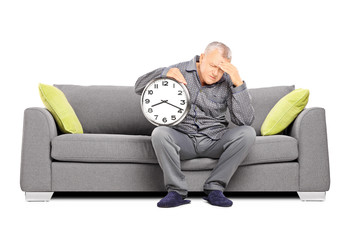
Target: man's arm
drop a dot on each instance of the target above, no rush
(239, 103)
(240, 106)
(145, 79)
(172, 71)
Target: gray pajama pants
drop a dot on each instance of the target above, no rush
(172, 146)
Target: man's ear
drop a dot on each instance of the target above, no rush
(201, 58)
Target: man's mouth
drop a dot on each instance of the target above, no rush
(213, 78)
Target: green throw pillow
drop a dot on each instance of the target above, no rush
(56, 102)
(285, 111)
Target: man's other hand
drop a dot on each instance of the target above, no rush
(175, 73)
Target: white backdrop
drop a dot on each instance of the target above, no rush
(312, 44)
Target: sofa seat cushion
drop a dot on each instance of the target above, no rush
(103, 148)
(271, 149)
(267, 149)
(138, 149)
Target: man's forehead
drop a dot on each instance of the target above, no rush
(215, 57)
(217, 61)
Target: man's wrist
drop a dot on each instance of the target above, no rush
(238, 81)
(238, 84)
(238, 89)
(165, 71)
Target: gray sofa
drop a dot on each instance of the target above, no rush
(115, 151)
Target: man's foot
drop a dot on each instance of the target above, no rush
(217, 198)
(172, 199)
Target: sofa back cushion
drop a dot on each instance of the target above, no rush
(107, 109)
(117, 110)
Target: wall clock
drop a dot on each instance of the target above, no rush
(165, 101)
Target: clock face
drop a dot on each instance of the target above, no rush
(165, 101)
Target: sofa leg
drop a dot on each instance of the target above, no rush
(38, 196)
(312, 196)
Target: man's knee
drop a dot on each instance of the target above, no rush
(244, 133)
(160, 133)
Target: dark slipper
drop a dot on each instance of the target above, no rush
(172, 199)
(217, 198)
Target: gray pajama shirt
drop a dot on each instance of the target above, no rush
(204, 131)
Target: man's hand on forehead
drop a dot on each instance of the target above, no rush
(232, 71)
(227, 67)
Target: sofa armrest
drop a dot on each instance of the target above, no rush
(39, 128)
(309, 128)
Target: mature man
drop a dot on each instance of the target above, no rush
(214, 85)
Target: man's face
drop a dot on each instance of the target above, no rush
(209, 66)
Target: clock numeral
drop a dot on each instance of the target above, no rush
(173, 117)
(150, 110)
(173, 85)
(182, 102)
(156, 116)
(165, 83)
(147, 101)
(156, 85)
(150, 92)
(180, 111)
(164, 120)
(180, 92)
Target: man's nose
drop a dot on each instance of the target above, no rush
(215, 72)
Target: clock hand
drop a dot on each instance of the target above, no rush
(174, 106)
(162, 101)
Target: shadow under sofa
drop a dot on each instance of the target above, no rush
(115, 152)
